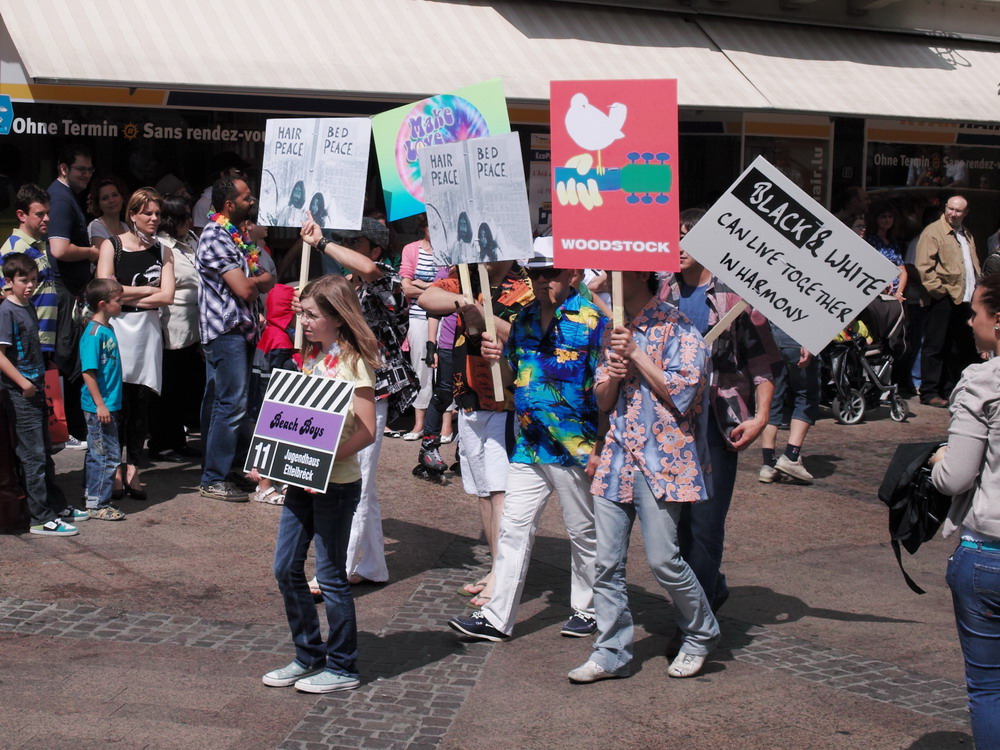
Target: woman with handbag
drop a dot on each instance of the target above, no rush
(145, 269)
(968, 468)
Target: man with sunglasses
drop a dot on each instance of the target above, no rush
(73, 254)
(552, 352)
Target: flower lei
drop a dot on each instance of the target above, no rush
(250, 251)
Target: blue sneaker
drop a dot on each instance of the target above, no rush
(73, 515)
(477, 626)
(54, 527)
(289, 675)
(580, 625)
(327, 682)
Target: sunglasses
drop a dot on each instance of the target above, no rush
(544, 273)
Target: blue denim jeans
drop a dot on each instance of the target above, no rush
(33, 449)
(658, 521)
(702, 529)
(803, 383)
(974, 578)
(227, 375)
(325, 518)
(104, 455)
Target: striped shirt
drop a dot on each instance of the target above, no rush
(219, 310)
(419, 266)
(45, 299)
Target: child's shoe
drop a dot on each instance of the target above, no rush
(54, 527)
(73, 515)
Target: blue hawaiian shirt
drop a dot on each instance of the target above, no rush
(554, 373)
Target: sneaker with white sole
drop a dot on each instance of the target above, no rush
(580, 625)
(686, 665)
(793, 469)
(327, 682)
(477, 626)
(591, 671)
(289, 675)
(73, 515)
(225, 491)
(54, 527)
(768, 474)
(75, 445)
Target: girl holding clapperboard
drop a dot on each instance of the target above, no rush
(340, 345)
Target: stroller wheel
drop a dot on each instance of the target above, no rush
(898, 410)
(850, 409)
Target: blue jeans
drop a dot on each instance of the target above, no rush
(325, 518)
(803, 383)
(104, 455)
(974, 578)
(702, 529)
(227, 375)
(658, 521)
(33, 448)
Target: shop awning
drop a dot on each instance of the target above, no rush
(399, 50)
(385, 49)
(863, 73)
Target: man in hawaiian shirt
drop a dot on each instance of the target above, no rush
(652, 382)
(552, 351)
(380, 292)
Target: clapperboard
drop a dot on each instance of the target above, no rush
(298, 429)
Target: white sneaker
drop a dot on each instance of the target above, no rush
(686, 665)
(768, 474)
(793, 468)
(413, 436)
(75, 445)
(591, 671)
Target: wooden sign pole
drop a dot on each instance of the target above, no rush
(727, 320)
(617, 302)
(304, 258)
(491, 329)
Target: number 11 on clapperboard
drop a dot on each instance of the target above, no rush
(298, 429)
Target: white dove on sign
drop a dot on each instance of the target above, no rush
(593, 130)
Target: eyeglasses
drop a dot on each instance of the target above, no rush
(83, 170)
(307, 316)
(544, 273)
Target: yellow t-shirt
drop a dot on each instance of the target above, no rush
(331, 365)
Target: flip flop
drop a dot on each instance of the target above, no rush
(480, 601)
(471, 589)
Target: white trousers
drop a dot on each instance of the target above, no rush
(366, 549)
(528, 490)
(416, 336)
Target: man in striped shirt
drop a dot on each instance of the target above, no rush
(229, 330)
(32, 207)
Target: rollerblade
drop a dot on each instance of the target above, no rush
(431, 467)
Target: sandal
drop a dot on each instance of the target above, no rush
(480, 601)
(471, 589)
(314, 588)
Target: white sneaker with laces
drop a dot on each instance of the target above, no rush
(591, 671)
(768, 474)
(793, 468)
(686, 665)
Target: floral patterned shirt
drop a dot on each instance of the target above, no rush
(663, 445)
(554, 372)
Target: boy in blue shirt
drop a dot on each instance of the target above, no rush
(101, 397)
(22, 374)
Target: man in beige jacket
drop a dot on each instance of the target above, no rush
(948, 267)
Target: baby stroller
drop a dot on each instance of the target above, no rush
(860, 365)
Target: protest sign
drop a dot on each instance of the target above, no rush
(298, 429)
(476, 200)
(400, 134)
(315, 164)
(789, 257)
(614, 165)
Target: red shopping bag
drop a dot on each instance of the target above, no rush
(58, 431)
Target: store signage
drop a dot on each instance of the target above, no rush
(476, 199)
(614, 162)
(789, 257)
(298, 429)
(130, 131)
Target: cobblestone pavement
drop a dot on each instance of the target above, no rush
(417, 675)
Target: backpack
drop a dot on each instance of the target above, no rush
(916, 508)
